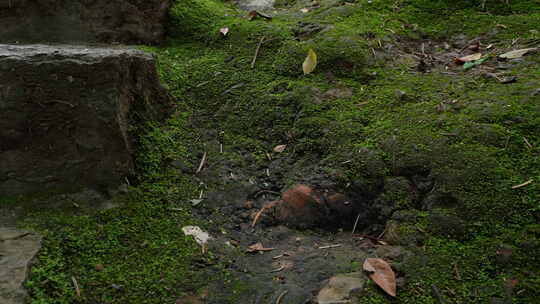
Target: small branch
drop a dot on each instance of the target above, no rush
(203, 160)
(279, 269)
(456, 272)
(355, 223)
(257, 52)
(523, 184)
(77, 289)
(281, 296)
(527, 143)
(382, 233)
(256, 218)
(61, 102)
(330, 246)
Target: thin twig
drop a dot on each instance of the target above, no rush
(77, 289)
(355, 223)
(20, 236)
(382, 233)
(527, 143)
(63, 102)
(456, 272)
(279, 269)
(256, 218)
(203, 160)
(330, 246)
(523, 184)
(281, 296)
(257, 52)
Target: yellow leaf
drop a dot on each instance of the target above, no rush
(310, 63)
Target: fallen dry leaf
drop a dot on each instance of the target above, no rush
(224, 31)
(280, 148)
(382, 274)
(468, 58)
(310, 62)
(517, 53)
(258, 247)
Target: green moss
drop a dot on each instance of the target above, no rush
(464, 132)
(189, 18)
(140, 245)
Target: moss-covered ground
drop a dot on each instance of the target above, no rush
(375, 107)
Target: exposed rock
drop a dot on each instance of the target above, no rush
(300, 206)
(17, 249)
(66, 113)
(259, 5)
(303, 206)
(341, 288)
(132, 21)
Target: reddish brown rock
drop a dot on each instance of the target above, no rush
(300, 206)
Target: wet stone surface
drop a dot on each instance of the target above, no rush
(17, 249)
(260, 5)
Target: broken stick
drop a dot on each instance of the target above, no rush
(201, 165)
(257, 52)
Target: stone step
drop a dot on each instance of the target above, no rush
(17, 250)
(107, 21)
(66, 113)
